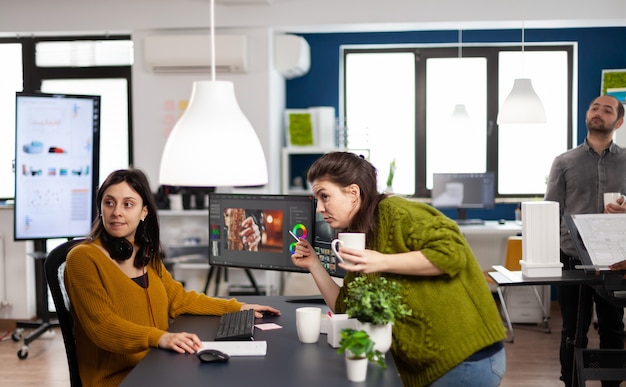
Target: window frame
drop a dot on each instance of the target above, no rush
(488, 51)
(33, 76)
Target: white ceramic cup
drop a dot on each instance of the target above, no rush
(353, 240)
(176, 202)
(611, 197)
(308, 320)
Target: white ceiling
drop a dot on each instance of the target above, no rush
(36, 16)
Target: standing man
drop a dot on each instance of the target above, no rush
(578, 179)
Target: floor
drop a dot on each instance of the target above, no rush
(532, 359)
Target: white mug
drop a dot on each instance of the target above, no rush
(308, 321)
(353, 240)
(611, 197)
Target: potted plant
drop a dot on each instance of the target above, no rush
(359, 350)
(376, 303)
(392, 171)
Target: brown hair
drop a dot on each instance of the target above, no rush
(147, 233)
(344, 169)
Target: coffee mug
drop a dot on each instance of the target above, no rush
(353, 240)
(308, 320)
(611, 197)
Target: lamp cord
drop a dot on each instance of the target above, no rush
(212, 40)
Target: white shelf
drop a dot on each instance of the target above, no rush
(287, 174)
(163, 213)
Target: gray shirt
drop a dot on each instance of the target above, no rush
(578, 180)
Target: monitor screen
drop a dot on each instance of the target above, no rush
(56, 164)
(463, 190)
(232, 216)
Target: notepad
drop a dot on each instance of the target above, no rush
(238, 348)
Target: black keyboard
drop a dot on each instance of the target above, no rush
(236, 326)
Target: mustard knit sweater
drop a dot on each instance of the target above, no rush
(454, 314)
(113, 323)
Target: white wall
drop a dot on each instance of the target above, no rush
(260, 92)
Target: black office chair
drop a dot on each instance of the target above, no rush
(54, 266)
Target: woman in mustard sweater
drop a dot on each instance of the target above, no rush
(121, 295)
(454, 336)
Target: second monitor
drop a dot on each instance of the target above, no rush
(253, 231)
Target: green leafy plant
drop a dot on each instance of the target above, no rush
(358, 345)
(377, 301)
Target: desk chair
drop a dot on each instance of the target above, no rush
(55, 270)
(511, 262)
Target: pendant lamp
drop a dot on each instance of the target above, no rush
(213, 144)
(522, 105)
(459, 117)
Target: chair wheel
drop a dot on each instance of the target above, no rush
(17, 334)
(23, 352)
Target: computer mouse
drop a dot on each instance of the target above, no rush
(212, 355)
(502, 221)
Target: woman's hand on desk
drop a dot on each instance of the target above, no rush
(259, 310)
(180, 342)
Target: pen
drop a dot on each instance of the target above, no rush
(294, 236)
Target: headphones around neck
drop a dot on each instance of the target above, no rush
(119, 249)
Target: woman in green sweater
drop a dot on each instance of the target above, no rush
(454, 336)
(121, 295)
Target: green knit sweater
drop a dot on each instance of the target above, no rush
(454, 314)
(113, 316)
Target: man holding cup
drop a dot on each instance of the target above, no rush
(579, 181)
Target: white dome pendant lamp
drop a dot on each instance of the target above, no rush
(213, 144)
(522, 105)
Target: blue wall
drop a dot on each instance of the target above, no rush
(598, 49)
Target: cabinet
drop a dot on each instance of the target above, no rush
(296, 162)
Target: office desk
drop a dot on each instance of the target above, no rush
(488, 241)
(287, 363)
(588, 364)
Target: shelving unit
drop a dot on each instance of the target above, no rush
(185, 239)
(296, 162)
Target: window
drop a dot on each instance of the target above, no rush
(76, 65)
(406, 111)
(10, 82)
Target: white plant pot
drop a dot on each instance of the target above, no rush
(356, 369)
(380, 334)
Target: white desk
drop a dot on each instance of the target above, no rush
(488, 241)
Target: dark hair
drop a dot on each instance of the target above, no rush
(147, 233)
(344, 169)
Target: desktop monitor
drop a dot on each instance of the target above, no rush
(463, 191)
(56, 165)
(276, 217)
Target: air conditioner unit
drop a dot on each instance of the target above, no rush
(192, 53)
(292, 56)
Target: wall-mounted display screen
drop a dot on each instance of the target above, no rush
(56, 164)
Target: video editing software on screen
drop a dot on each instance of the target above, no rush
(254, 231)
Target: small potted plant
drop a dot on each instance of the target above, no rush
(392, 172)
(376, 303)
(359, 349)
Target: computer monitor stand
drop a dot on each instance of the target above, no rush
(461, 218)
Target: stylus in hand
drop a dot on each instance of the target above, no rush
(294, 236)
